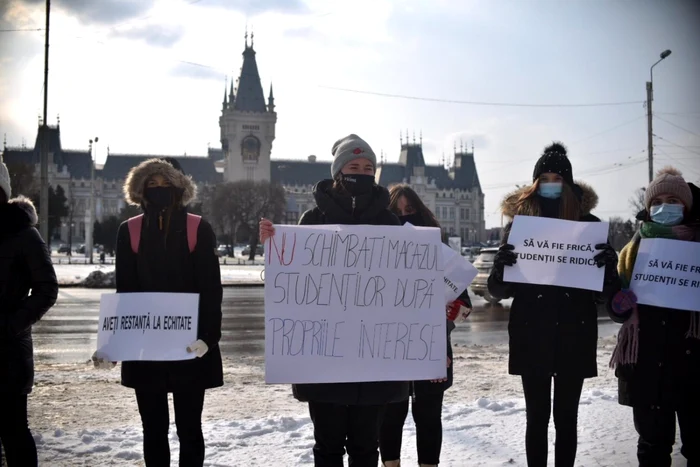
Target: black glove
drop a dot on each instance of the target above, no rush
(607, 256)
(505, 257)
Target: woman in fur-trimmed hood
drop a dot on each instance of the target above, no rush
(553, 330)
(28, 289)
(156, 253)
(657, 357)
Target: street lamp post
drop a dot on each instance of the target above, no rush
(89, 241)
(650, 98)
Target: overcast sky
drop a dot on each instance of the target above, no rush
(147, 76)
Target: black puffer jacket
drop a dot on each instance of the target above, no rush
(166, 265)
(334, 208)
(28, 288)
(553, 330)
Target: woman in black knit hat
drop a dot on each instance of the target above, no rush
(553, 330)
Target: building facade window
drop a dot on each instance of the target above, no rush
(452, 214)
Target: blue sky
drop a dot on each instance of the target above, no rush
(125, 71)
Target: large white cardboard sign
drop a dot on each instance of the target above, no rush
(667, 274)
(556, 252)
(147, 326)
(354, 303)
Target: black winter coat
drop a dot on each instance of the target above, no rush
(553, 330)
(334, 208)
(667, 372)
(28, 288)
(169, 266)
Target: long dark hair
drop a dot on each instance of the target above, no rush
(403, 190)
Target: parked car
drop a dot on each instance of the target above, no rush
(223, 250)
(258, 251)
(80, 250)
(483, 264)
(63, 248)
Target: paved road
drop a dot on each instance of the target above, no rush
(67, 333)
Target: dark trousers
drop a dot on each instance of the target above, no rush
(538, 403)
(427, 415)
(20, 449)
(153, 407)
(338, 428)
(657, 434)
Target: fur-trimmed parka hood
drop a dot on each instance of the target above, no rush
(19, 213)
(587, 196)
(135, 183)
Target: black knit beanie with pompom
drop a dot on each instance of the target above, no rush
(554, 160)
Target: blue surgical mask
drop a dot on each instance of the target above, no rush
(550, 190)
(667, 214)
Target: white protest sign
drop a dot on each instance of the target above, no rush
(354, 303)
(147, 326)
(459, 272)
(556, 252)
(667, 274)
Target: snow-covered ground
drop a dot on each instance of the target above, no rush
(82, 416)
(74, 274)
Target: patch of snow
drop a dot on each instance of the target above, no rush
(95, 421)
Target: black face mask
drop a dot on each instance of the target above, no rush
(414, 219)
(358, 184)
(160, 197)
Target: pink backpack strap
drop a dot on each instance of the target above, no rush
(193, 221)
(134, 225)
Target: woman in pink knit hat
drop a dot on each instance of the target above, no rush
(657, 358)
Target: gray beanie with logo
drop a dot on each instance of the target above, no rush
(349, 148)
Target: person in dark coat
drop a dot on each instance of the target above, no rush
(347, 415)
(657, 358)
(164, 263)
(28, 289)
(553, 331)
(426, 396)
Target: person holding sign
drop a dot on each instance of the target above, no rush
(28, 289)
(426, 396)
(347, 416)
(657, 358)
(553, 330)
(166, 254)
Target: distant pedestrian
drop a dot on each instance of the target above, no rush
(28, 289)
(347, 416)
(170, 251)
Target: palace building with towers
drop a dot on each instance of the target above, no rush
(247, 128)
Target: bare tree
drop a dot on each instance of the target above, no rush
(621, 232)
(637, 201)
(22, 180)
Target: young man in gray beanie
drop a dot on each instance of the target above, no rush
(28, 288)
(347, 416)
